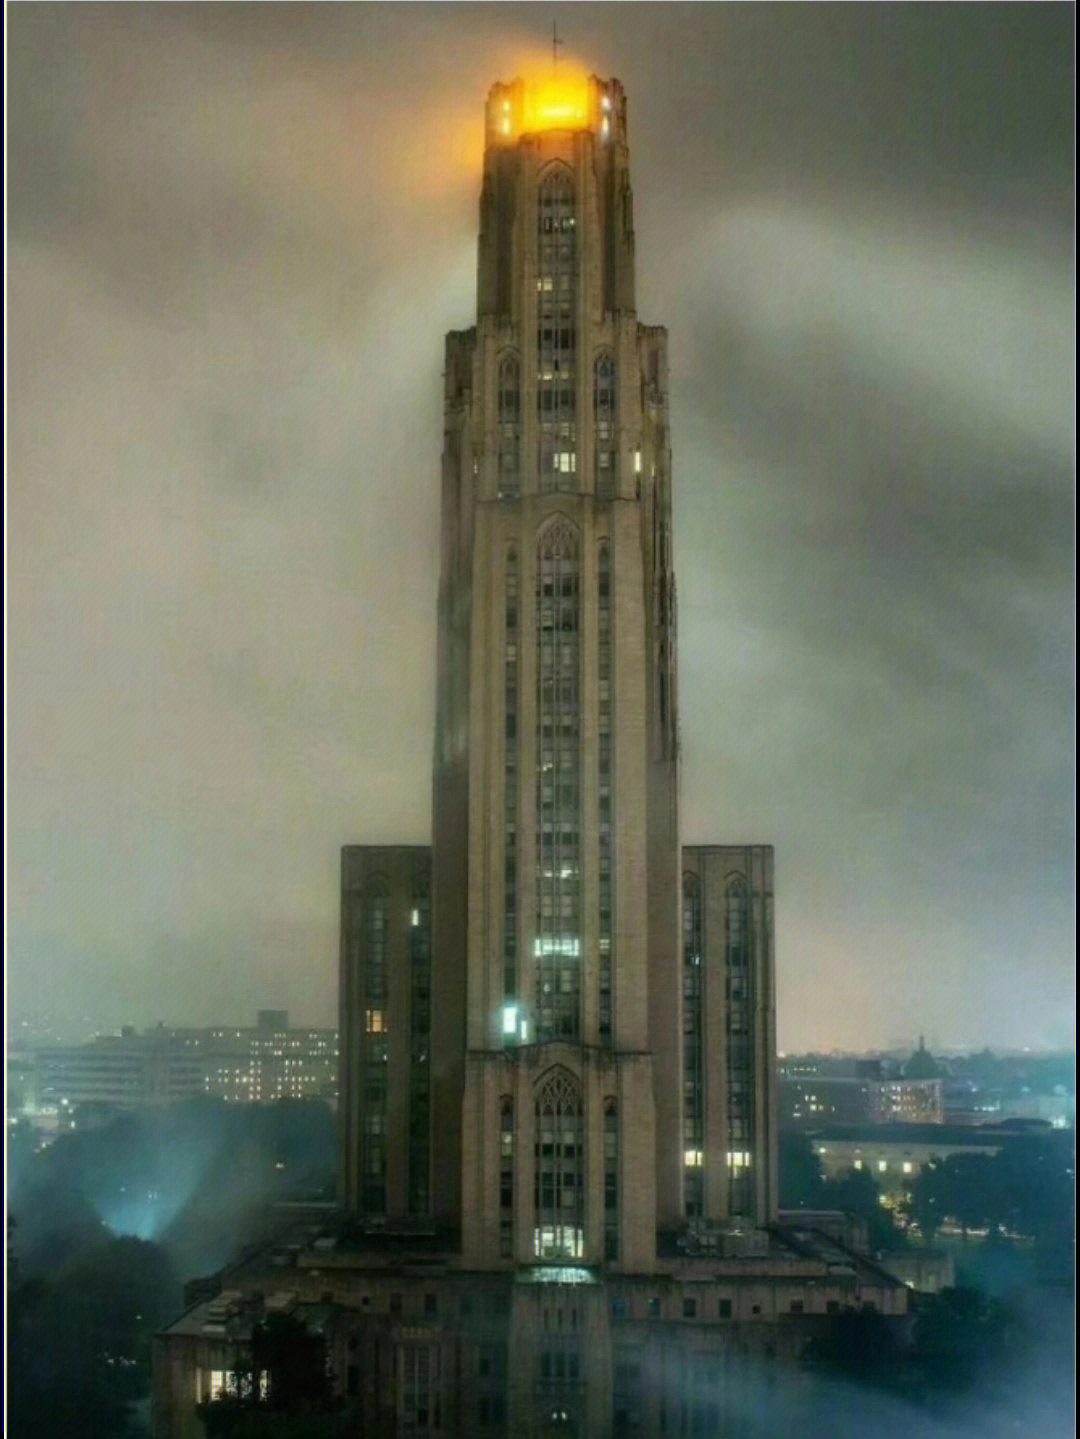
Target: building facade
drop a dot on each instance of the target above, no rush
(167, 1064)
(597, 1072)
(558, 1109)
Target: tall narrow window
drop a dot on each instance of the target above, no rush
(510, 797)
(419, 1045)
(373, 1161)
(693, 1073)
(739, 1049)
(604, 421)
(611, 1180)
(558, 798)
(559, 1169)
(509, 409)
(606, 965)
(506, 1177)
(556, 337)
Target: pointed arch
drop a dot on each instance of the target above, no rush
(559, 538)
(559, 1193)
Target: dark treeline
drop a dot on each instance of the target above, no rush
(1024, 1191)
(107, 1222)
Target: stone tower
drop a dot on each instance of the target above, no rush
(556, 877)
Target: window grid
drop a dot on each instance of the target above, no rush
(556, 336)
(739, 1065)
(509, 412)
(376, 1089)
(559, 1168)
(510, 784)
(558, 801)
(420, 1047)
(506, 1178)
(604, 419)
(693, 1054)
(611, 1181)
(606, 964)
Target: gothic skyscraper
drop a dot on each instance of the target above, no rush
(591, 1071)
(558, 1179)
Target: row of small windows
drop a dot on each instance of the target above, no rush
(370, 928)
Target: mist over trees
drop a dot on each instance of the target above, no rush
(113, 1218)
(109, 1220)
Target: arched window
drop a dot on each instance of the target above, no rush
(604, 421)
(611, 1180)
(693, 1052)
(558, 786)
(556, 331)
(738, 1043)
(509, 419)
(375, 1078)
(559, 1168)
(605, 829)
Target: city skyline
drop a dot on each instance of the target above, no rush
(222, 366)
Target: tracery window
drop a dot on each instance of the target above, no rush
(558, 798)
(559, 1168)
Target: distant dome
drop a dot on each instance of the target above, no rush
(922, 1064)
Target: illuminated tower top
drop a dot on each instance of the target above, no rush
(578, 123)
(565, 101)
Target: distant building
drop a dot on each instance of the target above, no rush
(895, 1154)
(809, 1103)
(166, 1064)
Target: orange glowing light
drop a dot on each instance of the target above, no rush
(559, 103)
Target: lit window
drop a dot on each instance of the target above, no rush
(637, 462)
(907, 1166)
(415, 920)
(510, 1018)
(693, 1158)
(375, 1021)
(857, 1164)
(882, 1166)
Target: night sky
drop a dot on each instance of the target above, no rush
(237, 236)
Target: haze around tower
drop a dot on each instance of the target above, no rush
(236, 236)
